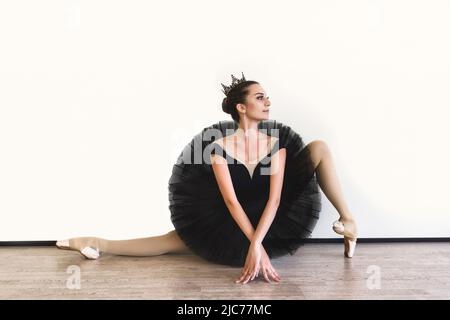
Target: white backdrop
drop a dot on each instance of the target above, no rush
(98, 98)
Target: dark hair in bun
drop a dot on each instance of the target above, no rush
(236, 95)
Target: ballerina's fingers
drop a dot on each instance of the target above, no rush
(243, 275)
(265, 273)
(255, 273)
(275, 275)
(249, 276)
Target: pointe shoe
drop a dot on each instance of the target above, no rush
(87, 252)
(63, 244)
(350, 246)
(349, 239)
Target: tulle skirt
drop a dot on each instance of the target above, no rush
(202, 219)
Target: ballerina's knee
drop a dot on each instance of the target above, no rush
(319, 149)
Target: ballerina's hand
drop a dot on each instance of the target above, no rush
(267, 269)
(252, 264)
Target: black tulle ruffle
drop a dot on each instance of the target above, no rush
(202, 219)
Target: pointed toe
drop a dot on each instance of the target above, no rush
(63, 244)
(349, 238)
(350, 247)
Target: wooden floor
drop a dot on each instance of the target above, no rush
(316, 271)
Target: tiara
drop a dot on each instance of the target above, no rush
(234, 83)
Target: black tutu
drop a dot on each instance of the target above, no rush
(202, 219)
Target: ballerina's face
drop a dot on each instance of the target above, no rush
(257, 104)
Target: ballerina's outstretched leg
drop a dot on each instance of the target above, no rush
(91, 247)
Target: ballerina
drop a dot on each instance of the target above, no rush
(247, 214)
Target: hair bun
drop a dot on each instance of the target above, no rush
(225, 106)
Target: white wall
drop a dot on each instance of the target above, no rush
(97, 99)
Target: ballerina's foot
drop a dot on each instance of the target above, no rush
(63, 244)
(348, 229)
(349, 247)
(87, 246)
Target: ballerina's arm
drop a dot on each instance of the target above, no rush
(222, 174)
(276, 184)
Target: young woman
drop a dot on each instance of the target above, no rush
(257, 205)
